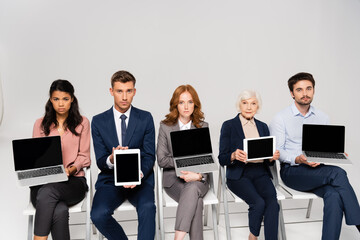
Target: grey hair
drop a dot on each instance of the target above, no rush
(246, 94)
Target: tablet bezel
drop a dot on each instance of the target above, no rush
(127, 151)
(245, 142)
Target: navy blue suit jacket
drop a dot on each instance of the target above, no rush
(140, 133)
(231, 138)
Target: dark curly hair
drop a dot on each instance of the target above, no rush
(74, 118)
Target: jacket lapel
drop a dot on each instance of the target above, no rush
(238, 127)
(110, 125)
(259, 128)
(133, 121)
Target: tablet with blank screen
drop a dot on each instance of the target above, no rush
(127, 167)
(259, 148)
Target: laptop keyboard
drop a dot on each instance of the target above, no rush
(325, 155)
(187, 162)
(40, 172)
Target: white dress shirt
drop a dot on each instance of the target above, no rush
(117, 120)
(184, 126)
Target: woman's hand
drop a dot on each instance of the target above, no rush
(276, 156)
(239, 155)
(190, 176)
(70, 171)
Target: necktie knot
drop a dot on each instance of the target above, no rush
(123, 117)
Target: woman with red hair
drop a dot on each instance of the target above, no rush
(190, 188)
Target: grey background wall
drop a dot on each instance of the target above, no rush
(220, 47)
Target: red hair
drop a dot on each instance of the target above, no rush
(196, 117)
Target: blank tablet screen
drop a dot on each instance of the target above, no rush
(260, 148)
(127, 167)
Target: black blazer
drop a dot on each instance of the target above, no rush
(231, 138)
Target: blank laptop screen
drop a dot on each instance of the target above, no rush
(323, 138)
(260, 148)
(37, 152)
(191, 142)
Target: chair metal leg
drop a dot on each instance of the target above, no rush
(161, 221)
(219, 192)
(206, 214)
(226, 207)
(30, 227)
(309, 208)
(87, 223)
(215, 226)
(281, 223)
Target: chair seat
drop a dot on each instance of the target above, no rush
(30, 210)
(299, 195)
(125, 206)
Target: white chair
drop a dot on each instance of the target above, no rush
(165, 201)
(294, 194)
(83, 206)
(222, 190)
(127, 206)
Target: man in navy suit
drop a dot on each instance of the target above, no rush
(123, 127)
(329, 182)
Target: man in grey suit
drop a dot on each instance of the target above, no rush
(190, 188)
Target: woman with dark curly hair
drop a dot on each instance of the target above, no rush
(190, 188)
(62, 118)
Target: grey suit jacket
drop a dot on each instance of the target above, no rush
(165, 154)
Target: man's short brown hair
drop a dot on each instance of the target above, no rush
(122, 76)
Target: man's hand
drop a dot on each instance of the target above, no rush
(117, 148)
(301, 159)
(190, 176)
(239, 155)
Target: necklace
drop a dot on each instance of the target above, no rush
(60, 130)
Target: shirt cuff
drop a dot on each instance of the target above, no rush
(109, 164)
(292, 161)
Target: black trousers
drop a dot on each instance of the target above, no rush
(52, 203)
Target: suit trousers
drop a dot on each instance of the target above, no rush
(330, 183)
(108, 197)
(51, 202)
(189, 196)
(257, 190)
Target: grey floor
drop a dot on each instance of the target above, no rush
(296, 225)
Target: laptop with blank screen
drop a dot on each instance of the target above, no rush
(127, 167)
(259, 148)
(38, 161)
(324, 144)
(192, 151)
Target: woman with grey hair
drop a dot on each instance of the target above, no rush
(251, 181)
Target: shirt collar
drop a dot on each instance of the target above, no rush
(296, 111)
(244, 121)
(117, 114)
(184, 126)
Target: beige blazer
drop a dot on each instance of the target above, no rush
(165, 154)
